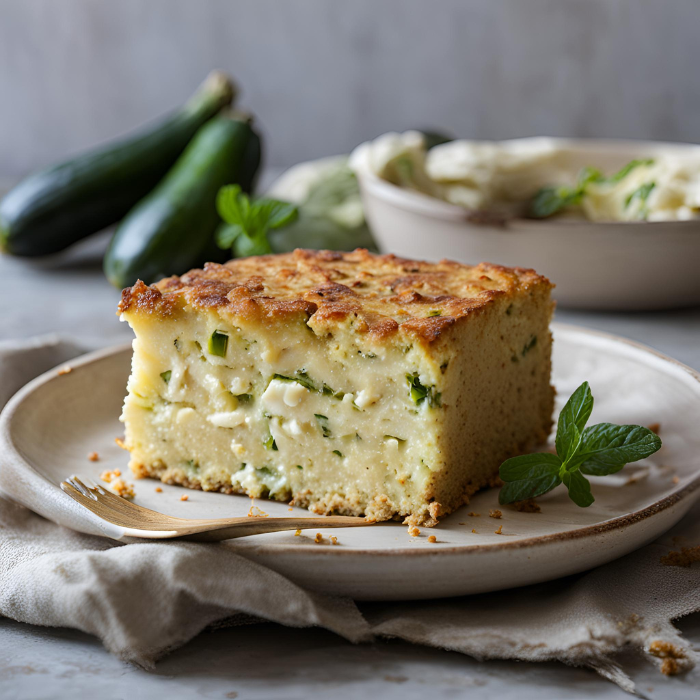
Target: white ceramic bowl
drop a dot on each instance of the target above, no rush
(614, 266)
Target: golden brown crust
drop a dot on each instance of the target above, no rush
(379, 294)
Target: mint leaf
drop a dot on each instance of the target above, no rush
(244, 246)
(579, 488)
(528, 466)
(226, 235)
(641, 194)
(606, 447)
(232, 204)
(572, 421)
(515, 491)
(529, 476)
(275, 213)
(587, 176)
(550, 200)
(247, 222)
(599, 450)
(627, 169)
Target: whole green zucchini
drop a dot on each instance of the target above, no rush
(172, 229)
(52, 209)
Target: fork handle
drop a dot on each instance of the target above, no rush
(260, 526)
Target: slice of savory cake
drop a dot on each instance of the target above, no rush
(347, 383)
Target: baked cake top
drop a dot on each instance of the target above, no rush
(379, 294)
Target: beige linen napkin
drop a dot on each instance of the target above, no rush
(143, 600)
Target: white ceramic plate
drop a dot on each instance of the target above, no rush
(617, 265)
(50, 426)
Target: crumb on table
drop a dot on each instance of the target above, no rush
(65, 370)
(319, 538)
(499, 531)
(94, 457)
(686, 557)
(527, 506)
(495, 514)
(110, 476)
(121, 488)
(432, 538)
(413, 531)
(184, 497)
(670, 655)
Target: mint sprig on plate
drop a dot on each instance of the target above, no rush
(598, 450)
(248, 221)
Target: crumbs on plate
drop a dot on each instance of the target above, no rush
(413, 531)
(527, 506)
(110, 476)
(122, 489)
(495, 514)
(671, 655)
(65, 370)
(94, 457)
(638, 476)
(499, 531)
(432, 539)
(120, 443)
(319, 538)
(184, 497)
(686, 557)
(334, 540)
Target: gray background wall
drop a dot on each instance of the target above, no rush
(323, 75)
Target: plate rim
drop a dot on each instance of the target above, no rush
(613, 524)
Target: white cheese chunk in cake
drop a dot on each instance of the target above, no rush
(343, 382)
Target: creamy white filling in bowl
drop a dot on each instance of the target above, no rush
(624, 264)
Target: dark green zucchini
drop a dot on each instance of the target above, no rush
(172, 229)
(54, 208)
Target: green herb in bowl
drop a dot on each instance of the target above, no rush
(552, 200)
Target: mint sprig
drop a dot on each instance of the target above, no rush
(598, 450)
(247, 222)
(550, 200)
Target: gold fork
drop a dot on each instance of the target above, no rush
(143, 522)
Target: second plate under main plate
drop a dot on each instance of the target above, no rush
(48, 429)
